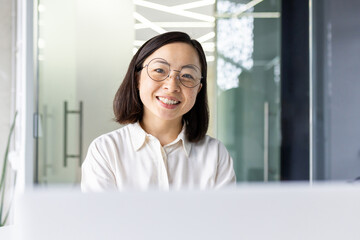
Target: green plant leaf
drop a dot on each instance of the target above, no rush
(8, 212)
(2, 223)
(3, 173)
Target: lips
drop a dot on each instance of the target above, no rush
(168, 101)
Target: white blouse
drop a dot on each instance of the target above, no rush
(129, 158)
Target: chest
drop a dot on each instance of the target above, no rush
(165, 167)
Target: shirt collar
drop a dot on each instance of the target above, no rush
(186, 144)
(138, 138)
(138, 135)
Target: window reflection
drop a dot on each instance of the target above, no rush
(248, 86)
(235, 45)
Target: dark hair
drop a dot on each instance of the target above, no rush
(128, 107)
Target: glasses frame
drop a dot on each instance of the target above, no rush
(147, 71)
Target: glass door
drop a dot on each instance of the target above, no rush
(335, 60)
(82, 56)
(248, 83)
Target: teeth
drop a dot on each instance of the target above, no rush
(168, 101)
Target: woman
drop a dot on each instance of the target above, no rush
(164, 145)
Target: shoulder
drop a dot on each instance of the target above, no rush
(112, 138)
(108, 146)
(209, 142)
(211, 145)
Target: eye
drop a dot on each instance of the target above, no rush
(159, 70)
(187, 76)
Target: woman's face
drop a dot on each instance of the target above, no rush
(169, 99)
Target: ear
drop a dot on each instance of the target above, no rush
(200, 86)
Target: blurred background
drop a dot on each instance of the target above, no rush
(283, 81)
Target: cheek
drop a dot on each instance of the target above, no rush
(147, 88)
(143, 91)
(141, 81)
(192, 97)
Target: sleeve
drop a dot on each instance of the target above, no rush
(97, 175)
(225, 175)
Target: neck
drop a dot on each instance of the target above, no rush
(165, 131)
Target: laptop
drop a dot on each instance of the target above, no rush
(281, 211)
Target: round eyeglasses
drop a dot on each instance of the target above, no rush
(158, 70)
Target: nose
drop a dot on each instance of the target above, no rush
(172, 83)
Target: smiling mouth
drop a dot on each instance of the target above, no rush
(168, 101)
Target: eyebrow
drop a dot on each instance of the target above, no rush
(192, 66)
(162, 61)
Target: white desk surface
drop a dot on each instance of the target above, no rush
(280, 212)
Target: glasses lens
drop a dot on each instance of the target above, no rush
(158, 70)
(190, 76)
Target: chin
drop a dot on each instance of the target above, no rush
(168, 118)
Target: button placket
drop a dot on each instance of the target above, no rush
(162, 165)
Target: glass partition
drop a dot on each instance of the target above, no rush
(248, 83)
(82, 56)
(334, 63)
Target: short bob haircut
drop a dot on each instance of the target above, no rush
(128, 107)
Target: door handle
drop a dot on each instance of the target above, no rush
(66, 113)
